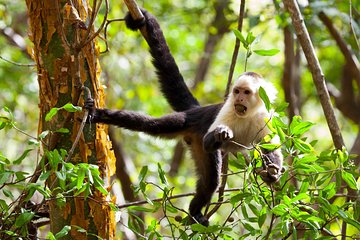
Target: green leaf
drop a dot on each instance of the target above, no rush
(241, 37)
(100, 188)
(162, 175)
(43, 134)
(171, 209)
(304, 186)
(254, 209)
(270, 146)
(281, 107)
(329, 190)
(265, 98)
(343, 155)
(269, 52)
(45, 175)
(84, 187)
(51, 114)
(62, 130)
(244, 212)
(24, 218)
(281, 134)
(4, 177)
(71, 108)
(280, 209)
(262, 217)
(349, 179)
(50, 236)
(141, 209)
(250, 38)
(143, 173)
(238, 197)
(63, 232)
(301, 128)
(303, 146)
(22, 157)
(198, 228)
(4, 206)
(80, 178)
(248, 227)
(299, 197)
(8, 193)
(344, 216)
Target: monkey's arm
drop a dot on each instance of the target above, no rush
(169, 125)
(214, 140)
(171, 81)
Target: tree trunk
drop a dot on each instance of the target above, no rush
(64, 65)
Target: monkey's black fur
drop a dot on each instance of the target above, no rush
(192, 125)
(169, 126)
(171, 81)
(191, 121)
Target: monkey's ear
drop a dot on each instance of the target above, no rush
(133, 24)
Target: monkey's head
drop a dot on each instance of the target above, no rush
(245, 94)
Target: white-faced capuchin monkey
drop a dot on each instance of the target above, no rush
(206, 130)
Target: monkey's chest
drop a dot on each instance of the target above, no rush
(245, 135)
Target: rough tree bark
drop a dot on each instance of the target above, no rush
(64, 66)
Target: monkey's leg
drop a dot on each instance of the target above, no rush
(209, 167)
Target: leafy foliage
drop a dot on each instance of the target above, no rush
(311, 195)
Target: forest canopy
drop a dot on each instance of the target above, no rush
(61, 179)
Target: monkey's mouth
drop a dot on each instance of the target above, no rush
(240, 109)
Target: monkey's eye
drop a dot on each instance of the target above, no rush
(236, 91)
(247, 92)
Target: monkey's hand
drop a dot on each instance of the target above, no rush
(223, 133)
(135, 24)
(272, 167)
(90, 106)
(214, 140)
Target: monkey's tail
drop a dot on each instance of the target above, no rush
(172, 83)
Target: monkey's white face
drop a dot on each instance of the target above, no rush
(245, 98)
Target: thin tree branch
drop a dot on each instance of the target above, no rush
(18, 64)
(136, 15)
(236, 49)
(316, 71)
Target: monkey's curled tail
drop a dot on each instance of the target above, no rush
(171, 81)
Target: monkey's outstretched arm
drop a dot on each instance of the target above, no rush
(167, 126)
(172, 82)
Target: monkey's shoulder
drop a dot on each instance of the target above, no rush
(202, 117)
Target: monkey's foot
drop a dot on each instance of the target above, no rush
(270, 173)
(200, 218)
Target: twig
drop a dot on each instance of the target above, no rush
(236, 49)
(80, 128)
(105, 32)
(316, 71)
(134, 9)
(137, 203)
(90, 38)
(18, 64)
